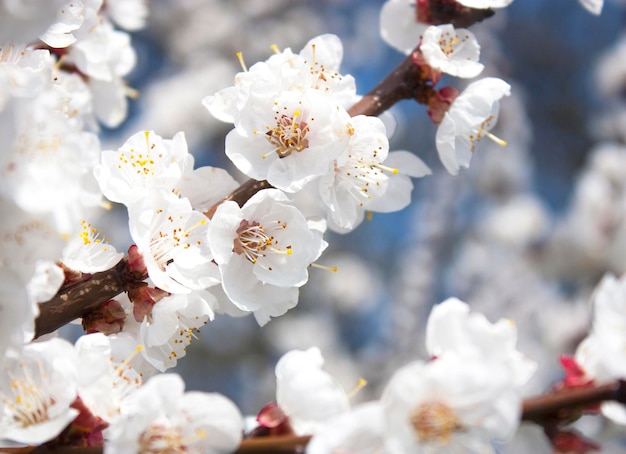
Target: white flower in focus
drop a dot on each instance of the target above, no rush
(171, 237)
(161, 417)
(364, 179)
(449, 405)
(103, 382)
(289, 140)
(204, 186)
(399, 26)
(601, 353)
(359, 431)
(452, 328)
(470, 118)
(144, 163)
(315, 67)
(306, 393)
(263, 250)
(593, 6)
(90, 251)
(484, 4)
(174, 324)
(454, 52)
(37, 387)
(130, 15)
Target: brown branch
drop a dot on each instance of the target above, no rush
(75, 300)
(554, 406)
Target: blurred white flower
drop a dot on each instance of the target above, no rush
(161, 417)
(307, 394)
(470, 118)
(453, 329)
(399, 26)
(601, 353)
(593, 6)
(450, 404)
(452, 51)
(359, 431)
(37, 387)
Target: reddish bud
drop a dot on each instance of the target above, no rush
(135, 261)
(439, 103)
(274, 420)
(144, 298)
(108, 318)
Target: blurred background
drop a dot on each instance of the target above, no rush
(525, 233)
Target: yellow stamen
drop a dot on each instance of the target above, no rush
(131, 92)
(275, 48)
(334, 269)
(496, 139)
(358, 387)
(241, 62)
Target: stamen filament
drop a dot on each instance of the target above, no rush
(334, 269)
(496, 139)
(241, 62)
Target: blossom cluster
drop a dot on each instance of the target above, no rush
(199, 250)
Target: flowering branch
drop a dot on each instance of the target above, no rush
(404, 82)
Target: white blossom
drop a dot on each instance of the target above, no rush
(450, 404)
(470, 118)
(171, 237)
(315, 67)
(90, 251)
(307, 394)
(399, 26)
(452, 328)
(263, 250)
(365, 177)
(289, 140)
(145, 162)
(601, 353)
(161, 417)
(37, 387)
(103, 382)
(452, 51)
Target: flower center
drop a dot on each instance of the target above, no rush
(289, 134)
(170, 236)
(253, 242)
(434, 422)
(158, 439)
(26, 401)
(447, 42)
